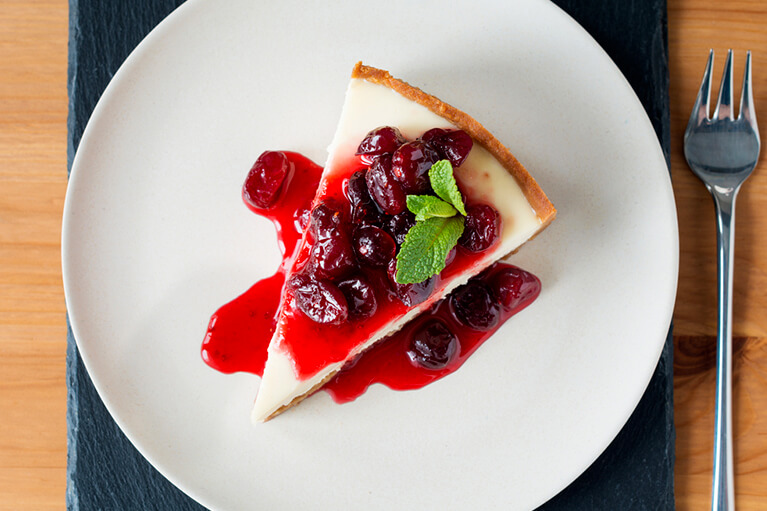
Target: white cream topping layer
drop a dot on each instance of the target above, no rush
(368, 106)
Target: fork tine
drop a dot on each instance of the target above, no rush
(700, 110)
(724, 105)
(746, 110)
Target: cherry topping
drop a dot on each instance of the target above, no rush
(513, 287)
(332, 253)
(384, 139)
(369, 215)
(400, 224)
(411, 164)
(409, 294)
(357, 189)
(360, 297)
(433, 134)
(474, 305)
(364, 210)
(265, 179)
(454, 145)
(334, 257)
(320, 300)
(374, 246)
(481, 228)
(433, 345)
(383, 187)
(327, 220)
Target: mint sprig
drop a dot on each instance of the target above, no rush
(444, 185)
(437, 229)
(428, 206)
(426, 247)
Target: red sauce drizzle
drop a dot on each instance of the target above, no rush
(239, 332)
(387, 362)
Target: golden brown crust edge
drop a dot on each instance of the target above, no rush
(534, 194)
(300, 398)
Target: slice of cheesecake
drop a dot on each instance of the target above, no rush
(342, 294)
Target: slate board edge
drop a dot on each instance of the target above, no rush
(78, 380)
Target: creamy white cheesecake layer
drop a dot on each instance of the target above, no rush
(368, 106)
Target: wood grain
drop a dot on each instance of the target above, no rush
(33, 103)
(33, 110)
(694, 27)
(695, 374)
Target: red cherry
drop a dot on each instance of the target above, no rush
(265, 179)
(400, 224)
(474, 305)
(374, 246)
(515, 287)
(360, 297)
(455, 145)
(320, 300)
(411, 164)
(380, 141)
(481, 228)
(433, 345)
(383, 187)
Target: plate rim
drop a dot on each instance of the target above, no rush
(134, 57)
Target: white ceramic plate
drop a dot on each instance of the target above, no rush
(155, 238)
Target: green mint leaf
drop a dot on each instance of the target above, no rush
(425, 248)
(428, 206)
(443, 182)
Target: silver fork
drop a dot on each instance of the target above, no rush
(722, 152)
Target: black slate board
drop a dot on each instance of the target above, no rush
(104, 470)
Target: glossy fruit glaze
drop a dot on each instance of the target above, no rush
(240, 332)
(342, 290)
(393, 363)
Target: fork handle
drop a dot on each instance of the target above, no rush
(723, 494)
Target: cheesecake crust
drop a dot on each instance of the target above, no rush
(303, 396)
(534, 194)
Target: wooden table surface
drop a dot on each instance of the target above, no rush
(33, 111)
